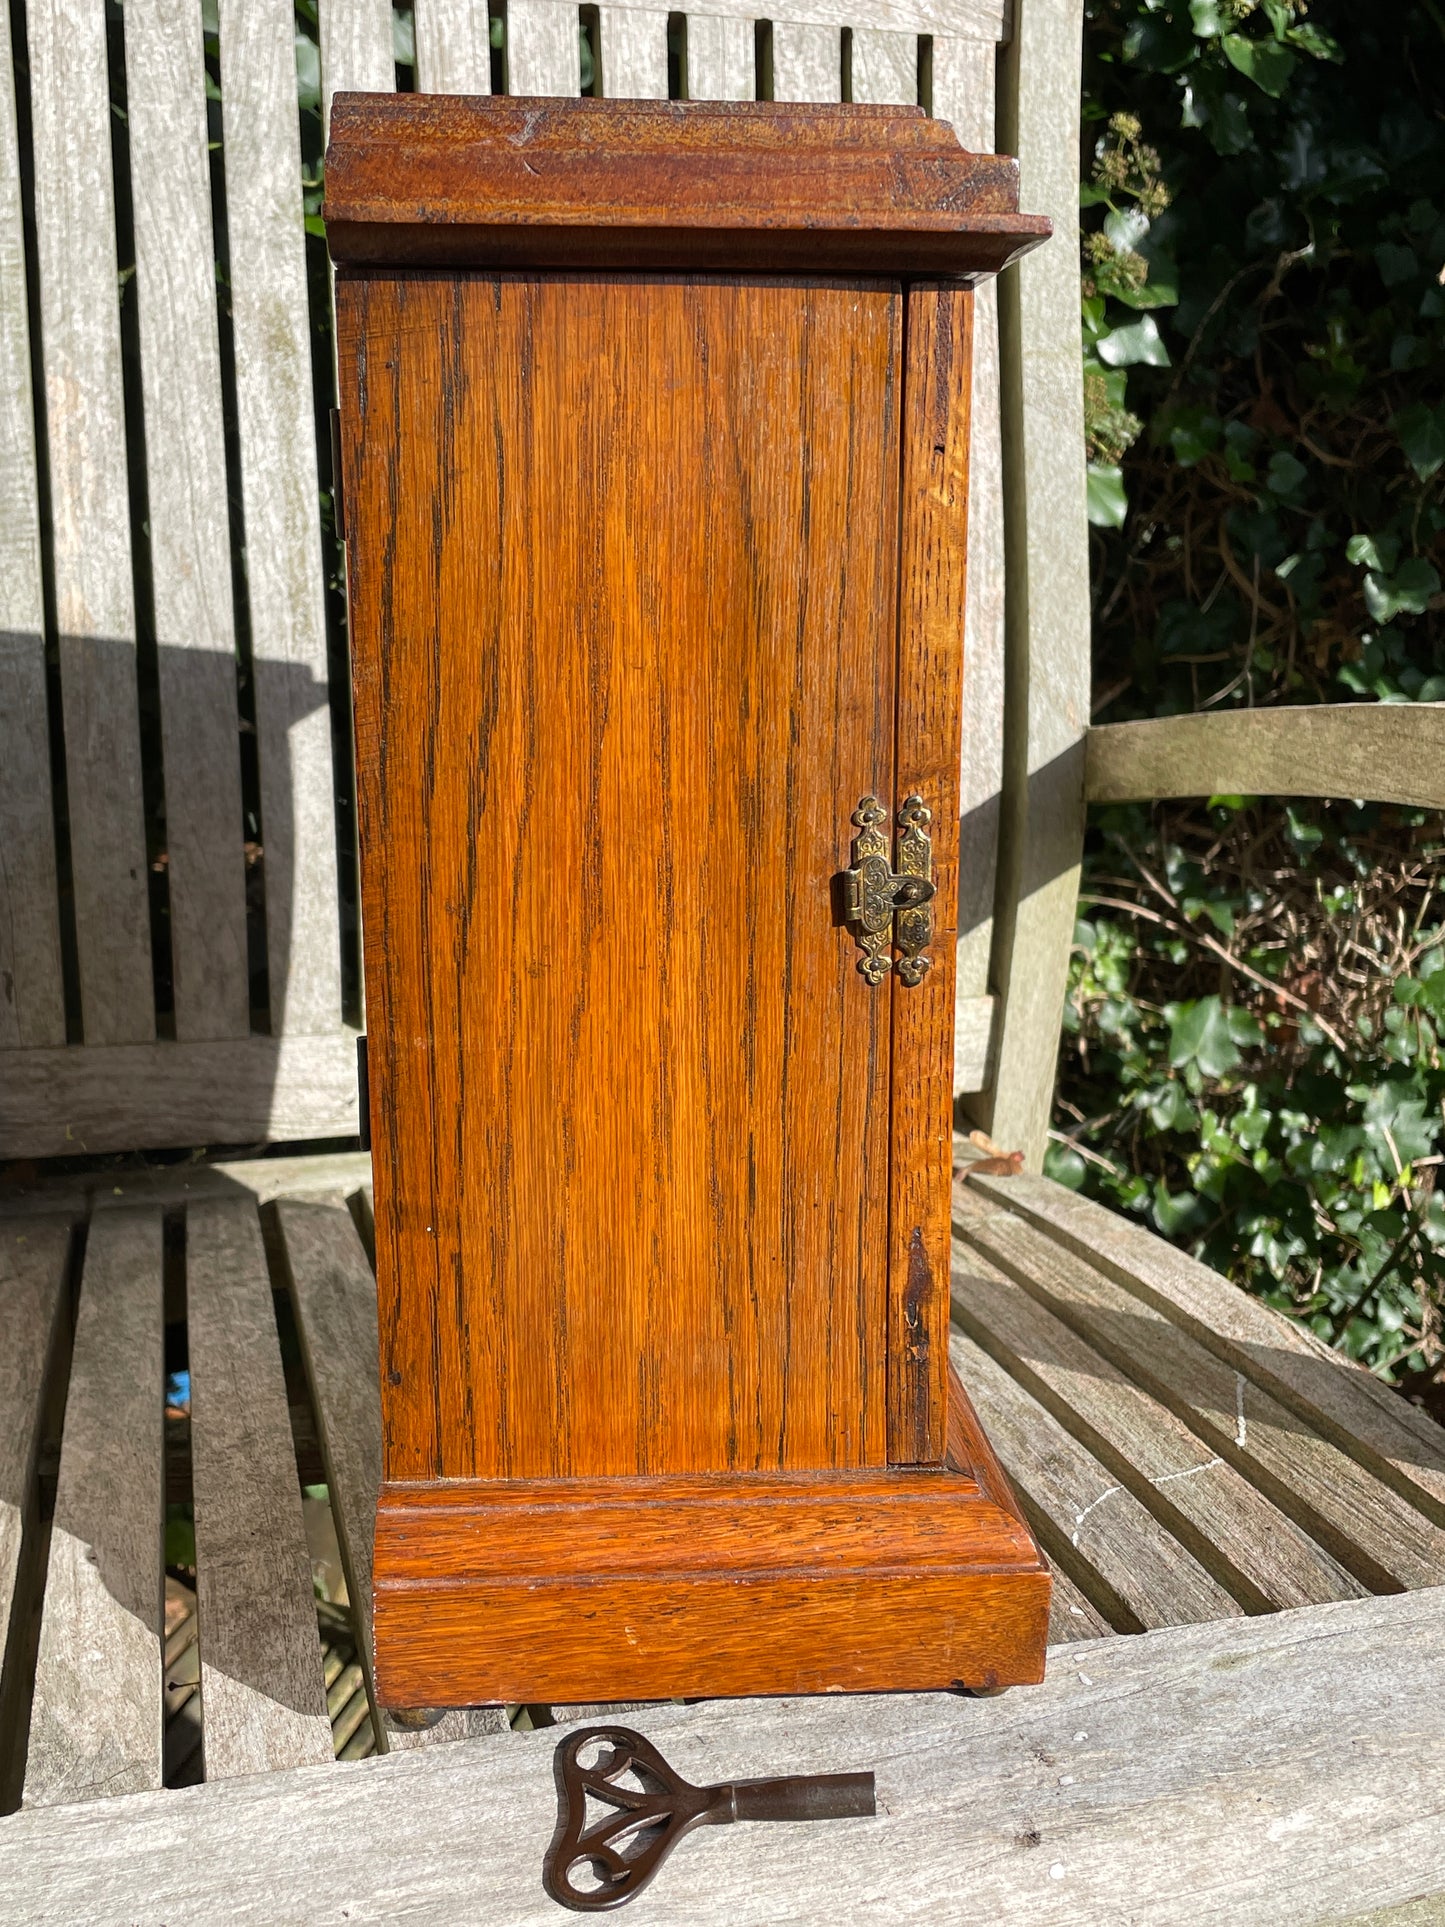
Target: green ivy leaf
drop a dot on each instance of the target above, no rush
(1137, 341)
(1064, 1165)
(1407, 592)
(1169, 1107)
(1421, 432)
(1285, 475)
(1201, 1033)
(1107, 502)
(1377, 552)
(1265, 62)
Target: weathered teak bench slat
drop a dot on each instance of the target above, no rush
(101, 1624)
(1244, 1772)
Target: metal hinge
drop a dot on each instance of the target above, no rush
(890, 908)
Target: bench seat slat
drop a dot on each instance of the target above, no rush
(95, 1723)
(1351, 1407)
(1367, 1526)
(34, 1261)
(1090, 1525)
(1072, 1614)
(334, 1294)
(263, 1702)
(1254, 1551)
(1291, 1792)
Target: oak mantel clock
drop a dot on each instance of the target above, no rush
(654, 431)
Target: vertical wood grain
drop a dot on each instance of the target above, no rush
(32, 1010)
(634, 53)
(622, 570)
(721, 58)
(963, 93)
(263, 1699)
(885, 66)
(453, 47)
(95, 1724)
(357, 55)
(90, 514)
(280, 502)
(334, 1295)
(34, 1260)
(933, 586)
(807, 62)
(190, 532)
(1047, 697)
(544, 51)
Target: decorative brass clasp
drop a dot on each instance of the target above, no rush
(887, 906)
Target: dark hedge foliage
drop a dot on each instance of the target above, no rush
(1252, 1059)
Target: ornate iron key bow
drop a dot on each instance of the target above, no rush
(650, 1807)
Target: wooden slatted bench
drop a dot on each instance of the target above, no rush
(1259, 1524)
(1191, 1460)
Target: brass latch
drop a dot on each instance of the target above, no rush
(889, 908)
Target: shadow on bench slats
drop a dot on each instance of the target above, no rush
(95, 1728)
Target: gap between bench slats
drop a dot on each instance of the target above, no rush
(1383, 1540)
(263, 1702)
(1135, 1573)
(95, 1723)
(334, 1294)
(1256, 1553)
(1349, 1406)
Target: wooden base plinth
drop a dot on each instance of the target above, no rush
(705, 1586)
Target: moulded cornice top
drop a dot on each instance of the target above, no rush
(417, 180)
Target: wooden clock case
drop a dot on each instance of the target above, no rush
(654, 434)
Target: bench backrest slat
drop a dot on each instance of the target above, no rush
(32, 1002)
(963, 93)
(544, 55)
(453, 47)
(90, 516)
(634, 53)
(218, 1076)
(190, 536)
(280, 503)
(885, 67)
(721, 58)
